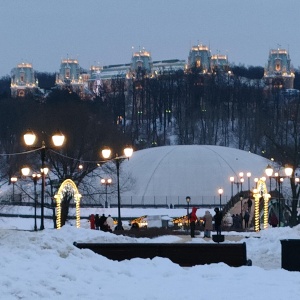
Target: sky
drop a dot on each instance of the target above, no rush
(107, 31)
(46, 265)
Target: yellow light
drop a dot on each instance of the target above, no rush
(25, 171)
(256, 196)
(29, 138)
(269, 171)
(58, 211)
(288, 170)
(14, 179)
(106, 152)
(266, 210)
(58, 139)
(128, 151)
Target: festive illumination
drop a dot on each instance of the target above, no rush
(68, 186)
(256, 209)
(58, 212)
(266, 210)
(77, 201)
(261, 191)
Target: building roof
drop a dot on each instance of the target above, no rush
(194, 170)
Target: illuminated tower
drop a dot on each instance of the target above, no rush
(141, 64)
(219, 61)
(279, 72)
(72, 77)
(23, 80)
(199, 57)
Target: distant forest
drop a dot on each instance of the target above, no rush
(232, 109)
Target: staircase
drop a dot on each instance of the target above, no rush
(236, 206)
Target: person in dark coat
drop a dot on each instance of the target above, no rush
(193, 220)
(97, 225)
(102, 223)
(218, 220)
(249, 202)
(246, 218)
(273, 220)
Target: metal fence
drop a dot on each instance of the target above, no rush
(128, 201)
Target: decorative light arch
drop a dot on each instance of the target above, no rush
(67, 186)
(261, 191)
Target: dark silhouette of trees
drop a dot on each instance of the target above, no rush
(46, 80)
(5, 87)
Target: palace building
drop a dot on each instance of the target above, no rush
(279, 73)
(199, 57)
(23, 80)
(73, 77)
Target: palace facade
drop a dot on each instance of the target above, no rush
(89, 83)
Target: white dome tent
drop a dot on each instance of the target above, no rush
(166, 175)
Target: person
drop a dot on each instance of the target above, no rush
(102, 223)
(92, 221)
(286, 218)
(273, 220)
(246, 218)
(193, 220)
(97, 222)
(208, 225)
(249, 202)
(218, 220)
(110, 223)
(245, 207)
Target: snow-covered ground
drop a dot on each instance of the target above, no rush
(46, 265)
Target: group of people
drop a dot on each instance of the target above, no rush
(101, 223)
(207, 221)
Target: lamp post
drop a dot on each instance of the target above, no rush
(249, 176)
(220, 191)
(13, 181)
(239, 182)
(188, 200)
(35, 177)
(288, 170)
(106, 182)
(232, 182)
(106, 153)
(241, 199)
(241, 175)
(269, 173)
(58, 140)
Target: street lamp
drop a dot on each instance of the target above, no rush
(35, 177)
(58, 140)
(241, 199)
(241, 174)
(269, 173)
(232, 182)
(248, 176)
(106, 153)
(288, 170)
(107, 182)
(239, 182)
(220, 191)
(13, 181)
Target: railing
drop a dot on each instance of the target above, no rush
(129, 201)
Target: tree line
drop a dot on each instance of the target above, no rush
(233, 109)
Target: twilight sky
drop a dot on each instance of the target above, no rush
(104, 32)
